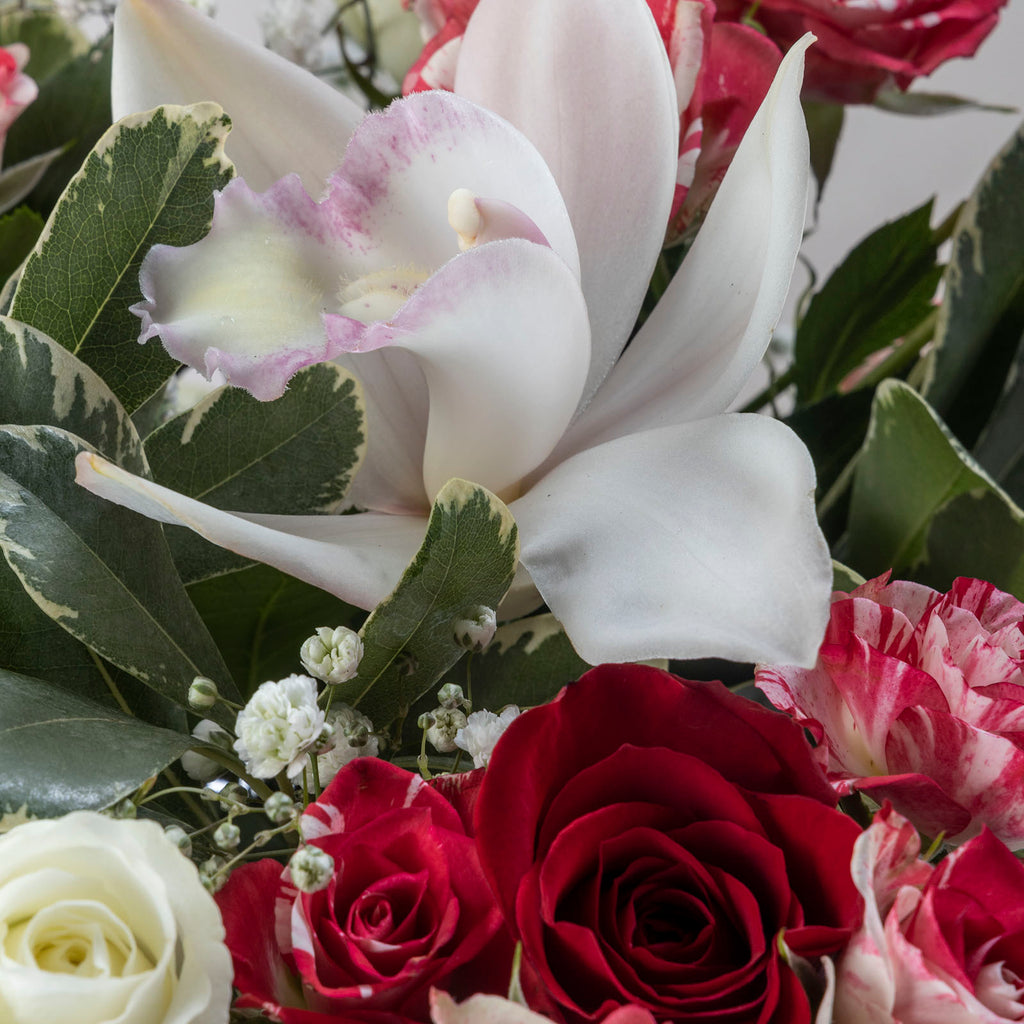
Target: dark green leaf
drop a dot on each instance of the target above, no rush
(294, 455)
(46, 384)
(527, 663)
(18, 233)
(72, 110)
(985, 276)
(468, 558)
(100, 571)
(150, 179)
(60, 753)
(18, 181)
(824, 126)
(259, 618)
(909, 473)
(881, 291)
(1001, 448)
(52, 41)
(844, 578)
(928, 104)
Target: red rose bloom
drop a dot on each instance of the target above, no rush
(649, 839)
(407, 909)
(865, 44)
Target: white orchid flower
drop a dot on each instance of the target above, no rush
(652, 522)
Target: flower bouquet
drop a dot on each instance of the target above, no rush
(415, 608)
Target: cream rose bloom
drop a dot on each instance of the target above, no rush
(105, 921)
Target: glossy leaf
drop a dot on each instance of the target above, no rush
(878, 293)
(984, 277)
(1001, 448)
(295, 455)
(910, 494)
(46, 384)
(100, 571)
(824, 126)
(468, 558)
(150, 179)
(57, 750)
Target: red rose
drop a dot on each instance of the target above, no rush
(408, 908)
(649, 839)
(865, 44)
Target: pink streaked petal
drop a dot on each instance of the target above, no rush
(530, 63)
(884, 628)
(647, 546)
(435, 67)
(712, 325)
(248, 298)
(982, 772)
(284, 118)
(502, 335)
(357, 558)
(389, 198)
(875, 690)
(918, 797)
(993, 608)
(912, 599)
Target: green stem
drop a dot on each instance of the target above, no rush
(194, 805)
(233, 765)
(314, 766)
(774, 389)
(111, 685)
(904, 354)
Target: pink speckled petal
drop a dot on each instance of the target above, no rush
(548, 67)
(389, 198)
(248, 298)
(502, 336)
(357, 558)
(285, 119)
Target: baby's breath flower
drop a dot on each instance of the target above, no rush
(447, 723)
(474, 628)
(353, 737)
(482, 730)
(311, 869)
(332, 655)
(278, 726)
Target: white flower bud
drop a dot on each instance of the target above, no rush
(198, 766)
(278, 726)
(332, 655)
(353, 737)
(474, 628)
(227, 836)
(447, 723)
(212, 874)
(280, 808)
(482, 731)
(233, 793)
(325, 741)
(202, 694)
(123, 809)
(311, 869)
(180, 838)
(450, 696)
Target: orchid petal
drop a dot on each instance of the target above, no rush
(618, 183)
(502, 335)
(248, 298)
(715, 522)
(357, 558)
(714, 322)
(284, 118)
(389, 199)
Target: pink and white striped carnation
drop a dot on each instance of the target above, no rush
(918, 697)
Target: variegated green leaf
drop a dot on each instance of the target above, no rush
(60, 752)
(985, 276)
(468, 558)
(46, 384)
(293, 455)
(100, 571)
(914, 495)
(149, 179)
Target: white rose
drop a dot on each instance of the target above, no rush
(104, 920)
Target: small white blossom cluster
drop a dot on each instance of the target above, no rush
(295, 29)
(353, 737)
(279, 726)
(482, 731)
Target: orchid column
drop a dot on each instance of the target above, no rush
(481, 275)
